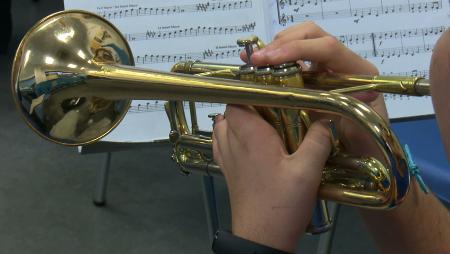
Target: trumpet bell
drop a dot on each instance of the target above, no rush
(56, 56)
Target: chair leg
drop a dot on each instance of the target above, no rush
(102, 182)
(209, 199)
(326, 239)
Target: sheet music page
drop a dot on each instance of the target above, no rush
(163, 32)
(396, 35)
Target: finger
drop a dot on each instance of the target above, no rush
(315, 148)
(379, 106)
(243, 56)
(219, 140)
(302, 31)
(366, 96)
(218, 118)
(250, 129)
(242, 121)
(314, 50)
(327, 51)
(357, 141)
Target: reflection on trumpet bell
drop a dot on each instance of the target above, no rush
(58, 54)
(72, 82)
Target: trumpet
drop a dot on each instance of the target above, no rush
(73, 81)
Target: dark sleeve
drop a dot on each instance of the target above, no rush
(226, 243)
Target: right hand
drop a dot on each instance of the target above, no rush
(309, 42)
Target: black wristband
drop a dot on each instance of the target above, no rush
(226, 243)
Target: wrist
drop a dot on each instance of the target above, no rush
(412, 200)
(280, 227)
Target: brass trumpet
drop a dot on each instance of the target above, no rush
(73, 81)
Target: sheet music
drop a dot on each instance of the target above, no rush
(396, 35)
(162, 33)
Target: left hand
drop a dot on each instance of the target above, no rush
(272, 193)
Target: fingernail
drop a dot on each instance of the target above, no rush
(259, 52)
(218, 118)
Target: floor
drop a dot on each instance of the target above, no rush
(46, 190)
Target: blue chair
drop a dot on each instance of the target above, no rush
(424, 140)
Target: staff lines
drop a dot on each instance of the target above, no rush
(208, 54)
(361, 38)
(191, 32)
(375, 42)
(298, 14)
(177, 9)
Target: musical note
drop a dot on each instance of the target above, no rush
(302, 3)
(299, 15)
(191, 32)
(413, 73)
(207, 54)
(177, 9)
(352, 39)
(387, 53)
(375, 44)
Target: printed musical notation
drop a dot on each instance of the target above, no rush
(177, 9)
(154, 106)
(297, 14)
(208, 54)
(191, 32)
(395, 43)
(380, 37)
(387, 53)
(302, 3)
(413, 73)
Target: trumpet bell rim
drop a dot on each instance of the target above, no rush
(120, 107)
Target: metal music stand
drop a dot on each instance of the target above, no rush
(107, 148)
(101, 185)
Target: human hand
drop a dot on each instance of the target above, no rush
(309, 42)
(394, 231)
(272, 193)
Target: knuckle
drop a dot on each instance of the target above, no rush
(279, 35)
(310, 24)
(296, 44)
(312, 28)
(331, 42)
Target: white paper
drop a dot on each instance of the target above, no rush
(163, 32)
(396, 35)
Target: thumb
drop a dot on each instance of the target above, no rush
(315, 149)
